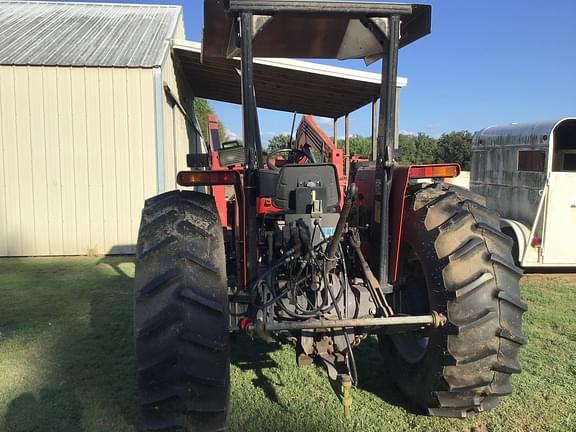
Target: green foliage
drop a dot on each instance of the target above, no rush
(455, 147)
(202, 109)
(277, 142)
(422, 148)
(359, 145)
(450, 147)
(413, 149)
(419, 149)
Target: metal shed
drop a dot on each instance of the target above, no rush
(86, 132)
(96, 102)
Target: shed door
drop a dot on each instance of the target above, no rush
(559, 239)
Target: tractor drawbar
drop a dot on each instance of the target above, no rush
(433, 320)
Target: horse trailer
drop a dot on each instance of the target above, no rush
(527, 172)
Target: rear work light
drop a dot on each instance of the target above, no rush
(207, 178)
(434, 171)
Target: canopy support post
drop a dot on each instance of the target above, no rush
(335, 131)
(347, 145)
(374, 153)
(386, 138)
(252, 153)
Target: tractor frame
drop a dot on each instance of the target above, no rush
(305, 255)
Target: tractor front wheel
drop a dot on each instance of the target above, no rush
(181, 314)
(456, 261)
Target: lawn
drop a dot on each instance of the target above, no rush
(66, 363)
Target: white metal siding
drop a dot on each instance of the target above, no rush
(77, 155)
(177, 130)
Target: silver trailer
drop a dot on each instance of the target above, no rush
(527, 172)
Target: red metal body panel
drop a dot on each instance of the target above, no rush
(219, 192)
(401, 175)
(265, 206)
(400, 179)
(213, 132)
(222, 178)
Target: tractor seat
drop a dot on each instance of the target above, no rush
(296, 181)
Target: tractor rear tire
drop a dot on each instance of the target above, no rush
(456, 261)
(181, 314)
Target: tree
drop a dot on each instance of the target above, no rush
(456, 147)
(202, 109)
(359, 145)
(416, 149)
(407, 148)
(419, 149)
(413, 149)
(279, 141)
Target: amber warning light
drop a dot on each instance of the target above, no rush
(434, 171)
(207, 178)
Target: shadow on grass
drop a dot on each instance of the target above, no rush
(88, 374)
(374, 378)
(248, 354)
(254, 355)
(53, 410)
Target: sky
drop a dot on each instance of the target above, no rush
(486, 62)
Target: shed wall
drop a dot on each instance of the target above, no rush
(77, 155)
(178, 130)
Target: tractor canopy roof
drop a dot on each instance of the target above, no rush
(311, 29)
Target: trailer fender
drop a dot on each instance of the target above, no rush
(520, 234)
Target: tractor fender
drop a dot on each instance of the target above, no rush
(365, 180)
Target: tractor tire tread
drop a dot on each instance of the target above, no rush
(160, 282)
(466, 249)
(462, 291)
(181, 314)
(476, 321)
(463, 242)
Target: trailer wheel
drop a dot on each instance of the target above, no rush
(455, 260)
(181, 314)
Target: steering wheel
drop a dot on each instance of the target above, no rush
(294, 155)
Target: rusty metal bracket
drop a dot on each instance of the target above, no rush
(335, 241)
(373, 285)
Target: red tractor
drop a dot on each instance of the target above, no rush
(305, 254)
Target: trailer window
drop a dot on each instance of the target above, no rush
(565, 146)
(531, 160)
(569, 162)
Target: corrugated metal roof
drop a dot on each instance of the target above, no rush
(85, 34)
(281, 84)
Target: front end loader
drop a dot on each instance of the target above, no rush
(303, 254)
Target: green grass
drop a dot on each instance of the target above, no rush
(66, 363)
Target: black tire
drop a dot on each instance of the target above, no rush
(181, 314)
(468, 274)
